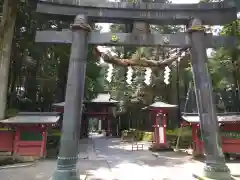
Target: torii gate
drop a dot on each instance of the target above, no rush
(194, 15)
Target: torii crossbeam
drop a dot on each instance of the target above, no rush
(179, 40)
(155, 13)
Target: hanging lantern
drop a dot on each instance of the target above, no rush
(148, 74)
(166, 75)
(129, 75)
(109, 73)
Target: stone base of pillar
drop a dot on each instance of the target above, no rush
(213, 174)
(66, 175)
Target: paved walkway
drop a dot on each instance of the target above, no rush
(125, 164)
(108, 159)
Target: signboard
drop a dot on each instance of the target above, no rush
(160, 125)
(230, 134)
(225, 134)
(161, 135)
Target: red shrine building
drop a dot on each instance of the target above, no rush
(158, 113)
(229, 126)
(29, 133)
(26, 133)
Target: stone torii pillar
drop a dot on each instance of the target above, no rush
(69, 147)
(215, 167)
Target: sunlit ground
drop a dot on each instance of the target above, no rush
(140, 171)
(119, 162)
(126, 164)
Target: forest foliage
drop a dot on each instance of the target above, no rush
(38, 72)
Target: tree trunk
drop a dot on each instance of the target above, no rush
(12, 78)
(10, 9)
(31, 84)
(235, 70)
(62, 79)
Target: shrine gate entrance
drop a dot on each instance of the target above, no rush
(103, 108)
(193, 16)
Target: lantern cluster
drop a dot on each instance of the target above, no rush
(148, 74)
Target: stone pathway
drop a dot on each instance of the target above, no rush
(125, 164)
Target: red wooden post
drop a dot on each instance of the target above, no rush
(156, 129)
(194, 136)
(6, 139)
(195, 140)
(198, 149)
(16, 140)
(44, 142)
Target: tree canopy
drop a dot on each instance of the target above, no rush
(38, 72)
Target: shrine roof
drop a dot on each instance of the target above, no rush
(160, 104)
(222, 117)
(33, 118)
(101, 98)
(61, 104)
